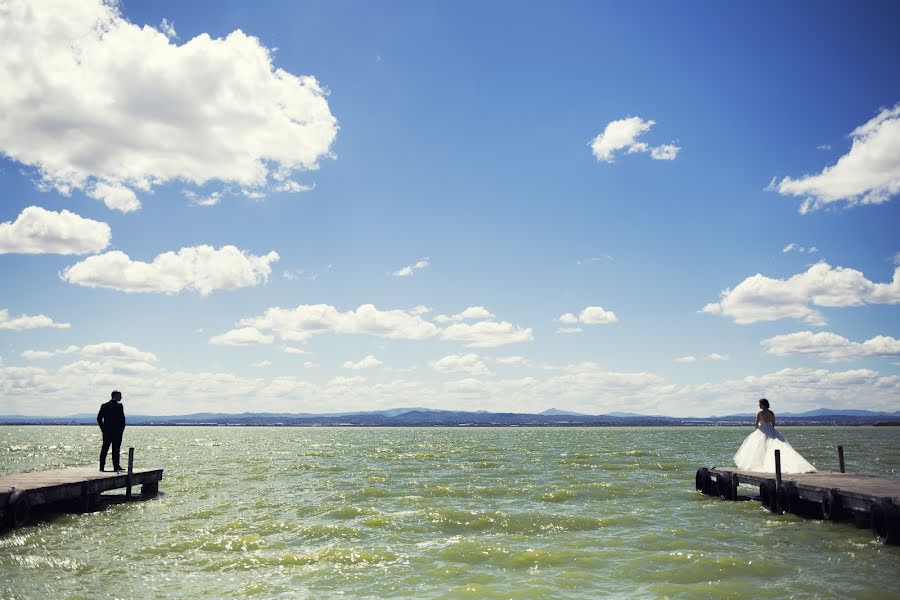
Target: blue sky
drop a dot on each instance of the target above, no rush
(310, 207)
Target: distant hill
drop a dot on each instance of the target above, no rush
(558, 412)
(419, 416)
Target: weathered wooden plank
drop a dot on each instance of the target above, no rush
(858, 491)
(58, 485)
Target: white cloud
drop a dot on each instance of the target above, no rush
(306, 320)
(761, 298)
(461, 363)
(591, 315)
(115, 196)
(487, 334)
(512, 360)
(717, 357)
(583, 387)
(245, 336)
(23, 322)
(597, 315)
(40, 231)
(823, 147)
(868, 174)
(665, 152)
(42, 354)
(197, 200)
(569, 330)
(408, 270)
(125, 108)
(168, 29)
(472, 313)
(203, 269)
(623, 134)
(366, 363)
(686, 359)
(262, 364)
(289, 185)
(292, 350)
(792, 247)
(830, 346)
(117, 350)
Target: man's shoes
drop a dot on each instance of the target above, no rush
(119, 469)
(102, 470)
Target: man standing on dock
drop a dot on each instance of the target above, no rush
(111, 420)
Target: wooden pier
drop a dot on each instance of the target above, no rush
(79, 486)
(868, 501)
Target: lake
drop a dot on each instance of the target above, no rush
(440, 513)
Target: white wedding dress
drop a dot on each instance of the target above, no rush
(757, 453)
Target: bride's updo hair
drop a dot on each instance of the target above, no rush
(764, 403)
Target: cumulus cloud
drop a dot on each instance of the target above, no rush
(112, 350)
(717, 357)
(869, 173)
(366, 363)
(487, 334)
(461, 363)
(761, 298)
(117, 350)
(293, 350)
(830, 346)
(591, 315)
(202, 269)
(125, 108)
(623, 134)
(244, 336)
(473, 313)
(686, 360)
(262, 364)
(408, 270)
(597, 315)
(40, 231)
(115, 196)
(42, 354)
(306, 320)
(792, 247)
(584, 387)
(664, 152)
(23, 322)
(511, 360)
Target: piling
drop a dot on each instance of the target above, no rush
(130, 473)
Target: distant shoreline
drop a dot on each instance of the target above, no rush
(452, 425)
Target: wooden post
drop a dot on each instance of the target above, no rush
(778, 468)
(131, 470)
(841, 458)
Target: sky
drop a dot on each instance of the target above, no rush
(313, 207)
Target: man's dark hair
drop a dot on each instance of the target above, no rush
(116, 394)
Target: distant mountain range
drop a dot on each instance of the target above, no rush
(418, 416)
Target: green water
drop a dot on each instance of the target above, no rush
(440, 513)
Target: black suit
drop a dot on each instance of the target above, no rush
(111, 420)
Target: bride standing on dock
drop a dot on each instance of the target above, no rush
(757, 453)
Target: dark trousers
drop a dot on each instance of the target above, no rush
(113, 438)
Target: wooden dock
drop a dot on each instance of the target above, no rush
(80, 486)
(868, 501)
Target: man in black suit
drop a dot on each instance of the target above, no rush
(111, 420)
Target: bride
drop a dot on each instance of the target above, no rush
(757, 453)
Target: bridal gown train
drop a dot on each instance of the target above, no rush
(757, 453)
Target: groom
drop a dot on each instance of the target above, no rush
(111, 420)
